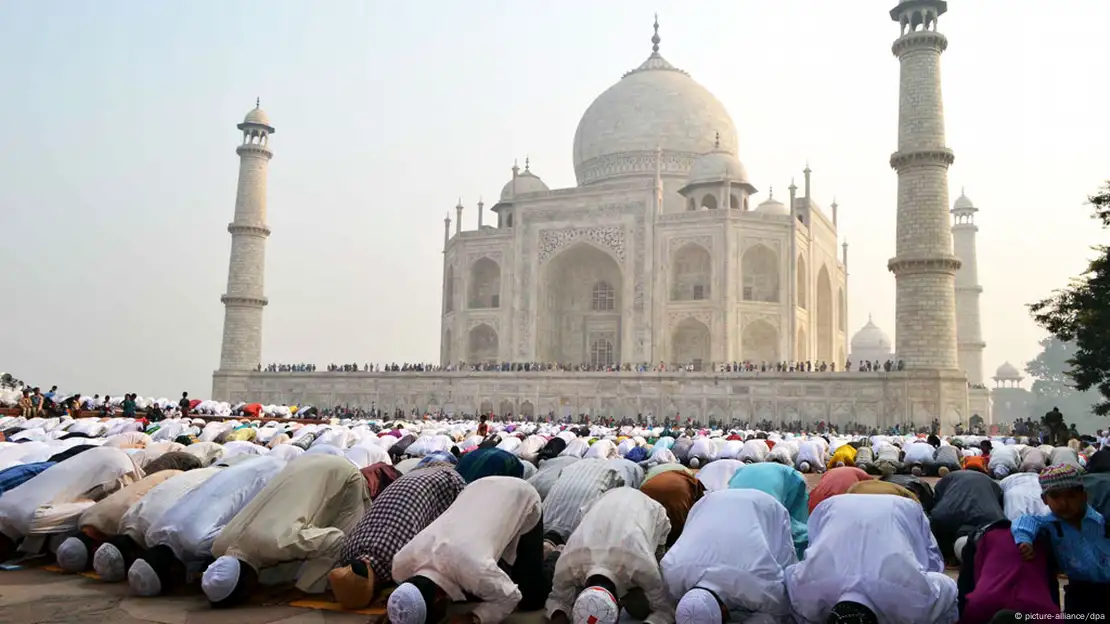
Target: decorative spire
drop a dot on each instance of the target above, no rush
(527, 163)
(516, 169)
(655, 38)
(459, 205)
(963, 190)
(793, 187)
(717, 141)
(834, 204)
(771, 190)
(807, 170)
(257, 102)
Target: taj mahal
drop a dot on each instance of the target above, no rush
(669, 256)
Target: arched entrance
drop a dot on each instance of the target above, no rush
(690, 344)
(760, 343)
(760, 273)
(691, 273)
(824, 316)
(580, 299)
(482, 345)
(485, 285)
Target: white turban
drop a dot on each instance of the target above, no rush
(958, 547)
(220, 578)
(406, 605)
(595, 605)
(698, 606)
(108, 563)
(72, 555)
(143, 579)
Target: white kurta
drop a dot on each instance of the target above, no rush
(737, 544)
(920, 453)
(877, 551)
(617, 538)
(460, 550)
(149, 509)
(102, 469)
(1021, 495)
(716, 475)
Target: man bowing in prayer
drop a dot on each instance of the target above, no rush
(486, 548)
(788, 487)
(729, 563)
(302, 514)
(676, 491)
(871, 559)
(401, 511)
(614, 551)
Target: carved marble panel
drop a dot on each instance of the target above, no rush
(703, 316)
(610, 237)
(676, 242)
(773, 319)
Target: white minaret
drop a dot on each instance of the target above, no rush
(968, 334)
(924, 266)
(243, 302)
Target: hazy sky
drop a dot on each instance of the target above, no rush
(118, 165)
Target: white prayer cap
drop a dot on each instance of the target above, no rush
(72, 555)
(595, 605)
(698, 606)
(220, 578)
(108, 563)
(406, 605)
(959, 548)
(143, 579)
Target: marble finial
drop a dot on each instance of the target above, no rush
(717, 140)
(655, 38)
(257, 102)
(771, 191)
(527, 163)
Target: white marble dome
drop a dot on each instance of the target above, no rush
(1007, 371)
(963, 202)
(775, 207)
(870, 339)
(654, 105)
(525, 182)
(717, 166)
(257, 116)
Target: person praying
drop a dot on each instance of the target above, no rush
(612, 560)
(179, 543)
(788, 487)
(834, 482)
(578, 485)
(965, 500)
(302, 514)
(397, 515)
(871, 559)
(729, 564)
(677, 491)
(920, 458)
(994, 578)
(497, 562)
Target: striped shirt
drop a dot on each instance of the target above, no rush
(402, 510)
(580, 484)
(1084, 554)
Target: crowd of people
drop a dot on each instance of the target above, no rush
(473, 520)
(807, 366)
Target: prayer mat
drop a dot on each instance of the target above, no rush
(377, 608)
(53, 568)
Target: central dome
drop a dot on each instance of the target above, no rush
(654, 105)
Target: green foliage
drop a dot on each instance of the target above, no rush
(1080, 314)
(1052, 386)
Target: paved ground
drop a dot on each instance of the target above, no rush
(34, 596)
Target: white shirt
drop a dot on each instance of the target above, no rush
(459, 551)
(811, 452)
(138, 519)
(716, 474)
(737, 544)
(877, 551)
(617, 538)
(920, 453)
(703, 449)
(1004, 456)
(1021, 495)
(578, 485)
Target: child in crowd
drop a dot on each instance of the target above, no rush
(1080, 539)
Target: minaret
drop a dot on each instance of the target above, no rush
(458, 217)
(924, 266)
(243, 302)
(968, 335)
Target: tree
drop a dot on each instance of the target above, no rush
(1080, 313)
(1052, 385)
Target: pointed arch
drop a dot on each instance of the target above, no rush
(709, 202)
(482, 345)
(602, 352)
(580, 292)
(824, 316)
(690, 343)
(759, 269)
(759, 343)
(484, 287)
(803, 281)
(691, 273)
(449, 289)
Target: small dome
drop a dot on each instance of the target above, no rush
(870, 338)
(717, 166)
(525, 182)
(772, 206)
(257, 116)
(963, 202)
(1007, 371)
